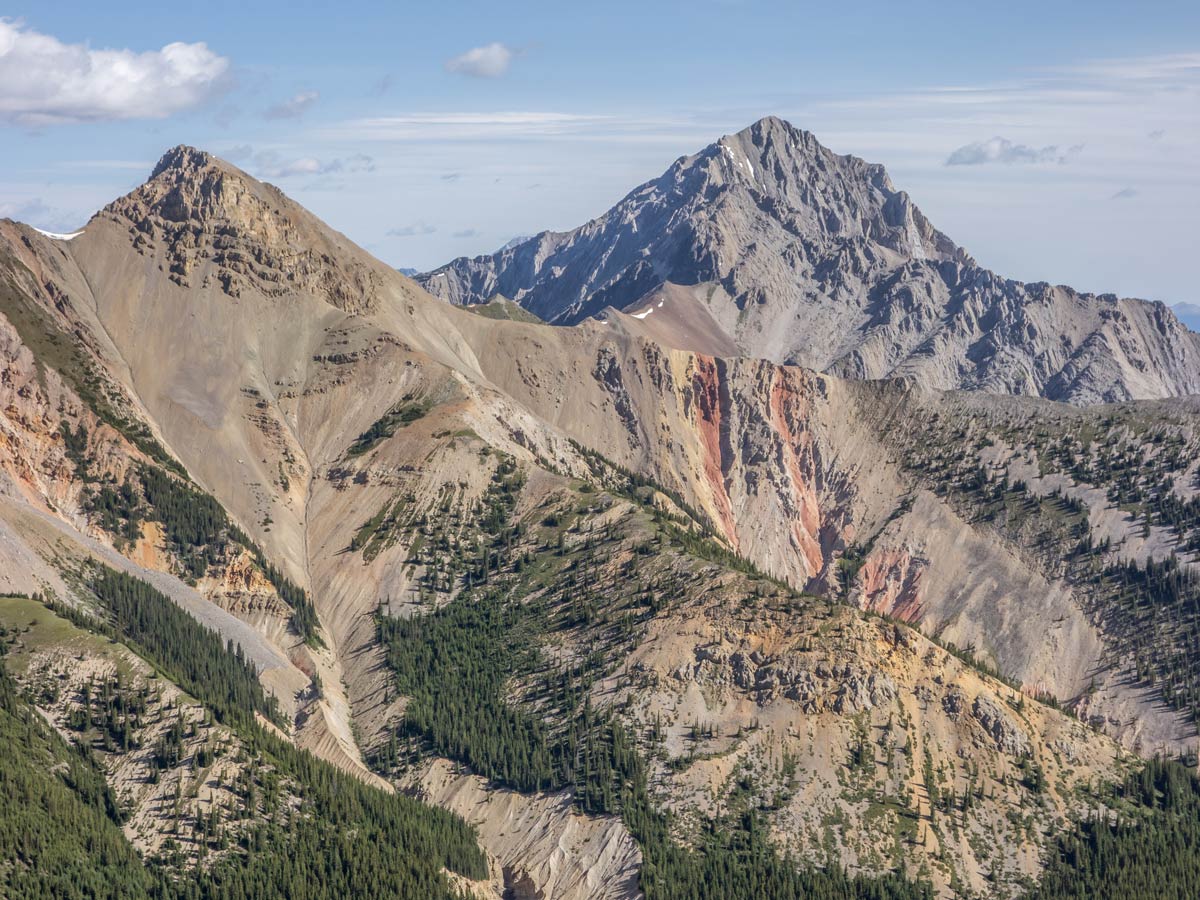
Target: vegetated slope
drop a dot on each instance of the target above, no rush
(569, 636)
(803, 256)
(1149, 852)
(350, 429)
(218, 812)
(1100, 503)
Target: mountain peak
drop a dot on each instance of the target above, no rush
(182, 158)
(773, 134)
(189, 184)
(748, 212)
(206, 219)
(795, 253)
(768, 128)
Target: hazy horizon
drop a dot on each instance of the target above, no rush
(1062, 153)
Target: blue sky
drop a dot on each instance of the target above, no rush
(1055, 141)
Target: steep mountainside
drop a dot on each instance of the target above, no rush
(768, 240)
(656, 621)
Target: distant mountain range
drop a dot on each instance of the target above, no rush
(768, 244)
(624, 609)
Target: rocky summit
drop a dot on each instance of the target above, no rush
(738, 548)
(767, 244)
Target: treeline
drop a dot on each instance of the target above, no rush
(199, 527)
(385, 426)
(627, 482)
(693, 531)
(345, 839)
(1155, 606)
(304, 612)
(193, 522)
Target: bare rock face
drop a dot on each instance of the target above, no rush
(803, 256)
(1008, 737)
(217, 225)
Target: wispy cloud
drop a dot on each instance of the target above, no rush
(39, 214)
(1002, 150)
(416, 228)
(1124, 194)
(467, 233)
(466, 126)
(271, 165)
(293, 107)
(46, 82)
(132, 165)
(1166, 67)
(489, 61)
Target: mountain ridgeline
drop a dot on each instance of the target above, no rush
(674, 571)
(790, 252)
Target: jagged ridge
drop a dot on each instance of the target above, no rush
(806, 257)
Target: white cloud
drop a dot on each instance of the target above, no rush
(1002, 150)
(305, 165)
(1167, 68)
(132, 165)
(293, 107)
(44, 81)
(489, 61)
(1124, 194)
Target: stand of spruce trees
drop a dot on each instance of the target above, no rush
(60, 825)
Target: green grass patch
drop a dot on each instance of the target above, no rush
(498, 308)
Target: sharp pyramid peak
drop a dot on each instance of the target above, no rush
(772, 130)
(769, 125)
